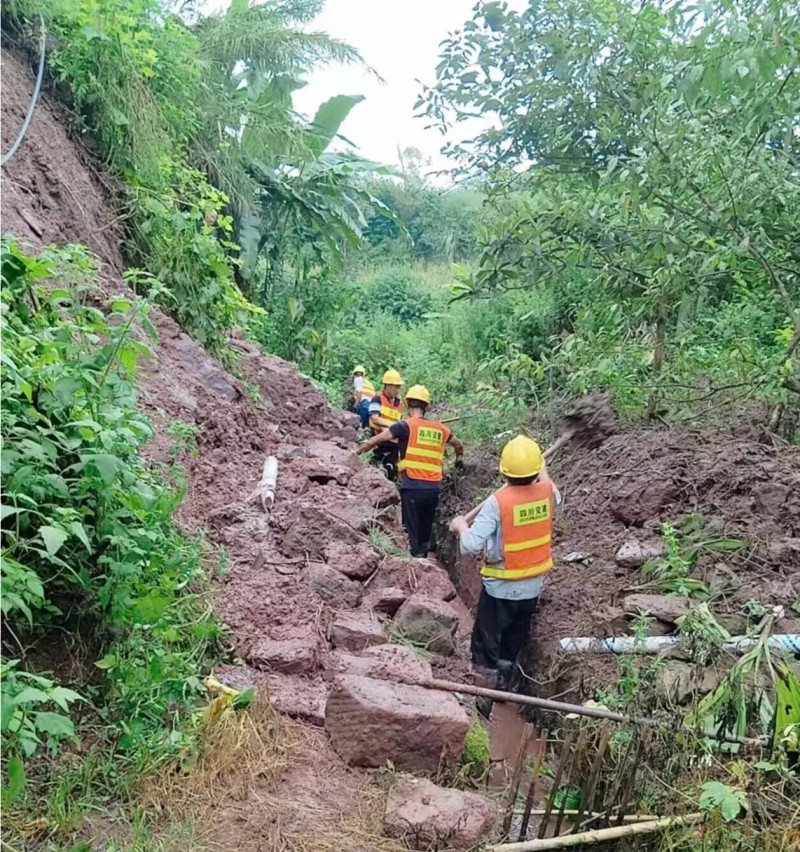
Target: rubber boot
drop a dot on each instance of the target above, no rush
(486, 678)
(505, 671)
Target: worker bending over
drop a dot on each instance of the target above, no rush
(514, 530)
(421, 444)
(386, 409)
(363, 392)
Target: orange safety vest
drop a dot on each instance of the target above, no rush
(391, 409)
(424, 454)
(526, 518)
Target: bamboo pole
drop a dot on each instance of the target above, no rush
(600, 835)
(565, 752)
(539, 753)
(542, 812)
(578, 709)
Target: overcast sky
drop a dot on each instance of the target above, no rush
(399, 39)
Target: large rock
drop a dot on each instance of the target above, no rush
(334, 588)
(677, 682)
(371, 722)
(298, 697)
(355, 561)
(633, 554)
(397, 663)
(428, 622)
(290, 656)
(309, 531)
(415, 575)
(387, 600)
(427, 816)
(666, 608)
(356, 631)
(635, 501)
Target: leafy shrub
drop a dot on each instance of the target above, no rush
(87, 530)
(399, 294)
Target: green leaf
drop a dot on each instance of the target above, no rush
(64, 697)
(329, 118)
(107, 663)
(79, 531)
(31, 695)
(54, 724)
(53, 538)
(15, 771)
(244, 699)
(105, 464)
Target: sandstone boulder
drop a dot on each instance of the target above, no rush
(387, 600)
(427, 816)
(666, 608)
(415, 575)
(357, 561)
(334, 588)
(356, 631)
(290, 656)
(298, 697)
(428, 622)
(371, 722)
(382, 662)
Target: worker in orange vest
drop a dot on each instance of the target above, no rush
(386, 409)
(514, 531)
(421, 444)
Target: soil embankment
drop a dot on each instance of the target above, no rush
(720, 487)
(310, 575)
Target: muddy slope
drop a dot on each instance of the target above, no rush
(730, 487)
(52, 195)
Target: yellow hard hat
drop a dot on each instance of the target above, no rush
(359, 370)
(392, 377)
(419, 392)
(521, 457)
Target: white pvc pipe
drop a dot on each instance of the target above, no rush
(789, 642)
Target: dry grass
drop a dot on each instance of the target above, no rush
(238, 751)
(262, 783)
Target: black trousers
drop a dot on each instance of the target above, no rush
(500, 629)
(387, 456)
(419, 508)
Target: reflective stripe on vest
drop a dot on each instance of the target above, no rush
(367, 390)
(390, 410)
(526, 518)
(424, 453)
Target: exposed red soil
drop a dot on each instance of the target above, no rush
(324, 498)
(624, 490)
(52, 194)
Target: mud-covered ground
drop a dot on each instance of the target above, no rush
(736, 487)
(54, 193)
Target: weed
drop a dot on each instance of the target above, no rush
(670, 573)
(88, 537)
(382, 541)
(477, 752)
(184, 436)
(398, 637)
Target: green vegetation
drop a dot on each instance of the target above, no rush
(90, 549)
(477, 752)
(627, 220)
